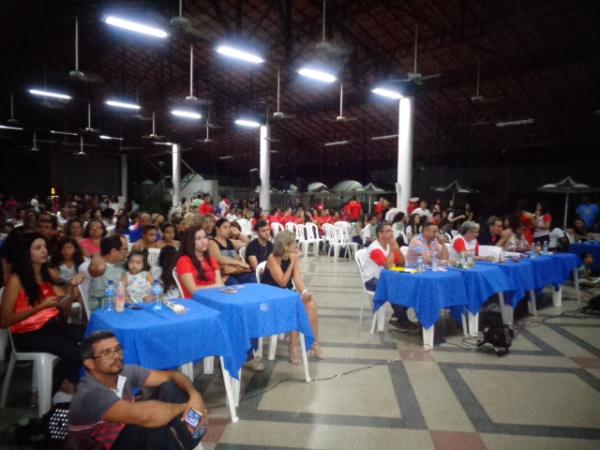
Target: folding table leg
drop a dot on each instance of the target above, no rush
(576, 281)
(557, 296)
(381, 318)
(465, 328)
(273, 347)
(227, 381)
(428, 337)
(304, 357)
(188, 370)
(507, 311)
(259, 350)
(209, 365)
(531, 307)
(473, 323)
(373, 322)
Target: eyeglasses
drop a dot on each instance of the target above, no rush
(110, 352)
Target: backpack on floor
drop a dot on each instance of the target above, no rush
(499, 336)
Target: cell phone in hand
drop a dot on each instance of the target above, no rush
(193, 419)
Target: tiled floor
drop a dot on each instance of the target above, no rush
(383, 391)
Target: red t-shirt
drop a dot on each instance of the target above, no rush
(528, 232)
(460, 245)
(206, 209)
(379, 258)
(185, 265)
(354, 210)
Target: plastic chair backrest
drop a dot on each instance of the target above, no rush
(245, 226)
(404, 250)
(291, 227)
(276, 227)
(178, 283)
(153, 254)
(259, 270)
(300, 235)
(242, 252)
(312, 231)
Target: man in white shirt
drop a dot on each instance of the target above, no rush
(368, 233)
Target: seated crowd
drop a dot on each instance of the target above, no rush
(70, 253)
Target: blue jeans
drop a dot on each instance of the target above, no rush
(241, 278)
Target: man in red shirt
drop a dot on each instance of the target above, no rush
(206, 208)
(353, 210)
(380, 208)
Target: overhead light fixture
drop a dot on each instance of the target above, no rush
(187, 114)
(136, 27)
(317, 74)
(388, 93)
(254, 169)
(383, 138)
(514, 123)
(105, 137)
(120, 104)
(10, 127)
(237, 53)
(63, 133)
(336, 143)
(248, 123)
(274, 151)
(167, 144)
(226, 157)
(50, 94)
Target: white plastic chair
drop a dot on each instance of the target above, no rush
(153, 254)
(312, 238)
(276, 227)
(209, 362)
(359, 257)
(260, 268)
(291, 227)
(242, 252)
(245, 226)
(404, 251)
(43, 364)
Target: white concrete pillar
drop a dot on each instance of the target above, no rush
(124, 176)
(265, 168)
(405, 157)
(176, 175)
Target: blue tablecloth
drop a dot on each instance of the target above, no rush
(162, 339)
(548, 270)
(427, 292)
(568, 262)
(481, 282)
(592, 247)
(520, 277)
(257, 310)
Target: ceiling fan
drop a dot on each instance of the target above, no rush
(12, 120)
(77, 74)
(153, 136)
(341, 117)
(89, 129)
(180, 23)
(207, 139)
(414, 76)
(34, 147)
(330, 49)
(278, 114)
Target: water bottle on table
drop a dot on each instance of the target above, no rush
(110, 294)
(156, 292)
(420, 264)
(435, 262)
(545, 248)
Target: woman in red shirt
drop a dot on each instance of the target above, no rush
(31, 308)
(92, 236)
(195, 267)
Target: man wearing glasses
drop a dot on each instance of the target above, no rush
(104, 408)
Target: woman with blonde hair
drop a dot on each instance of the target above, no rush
(283, 270)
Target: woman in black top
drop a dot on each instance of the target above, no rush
(283, 270)
(225, 251)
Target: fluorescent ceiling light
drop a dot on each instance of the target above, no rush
(43, 93)
(383, 138)
(119, 104)
(10, 127)
(316, 74)
(135, 26)
(254, 169)
(226, 157)
(237, 53)
(247, 123)
(63, 133)
(336, 143)
(104, 137)
(389, 93)
(168, 144)
(515, 123)
(186, 114)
